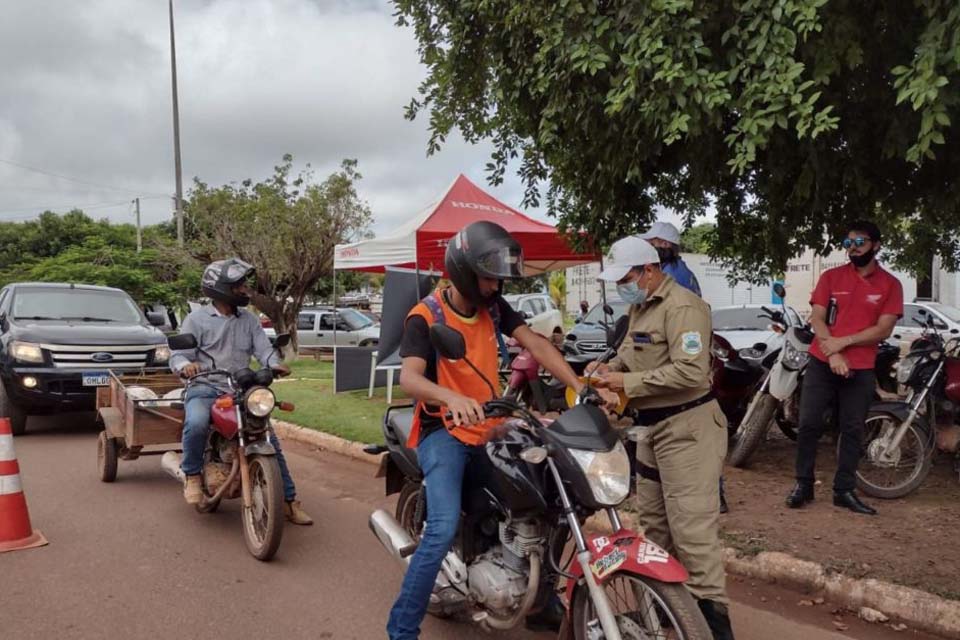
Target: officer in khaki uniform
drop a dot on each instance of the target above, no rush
(663, 366)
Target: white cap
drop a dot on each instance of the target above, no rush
(664, 231)
(625, 254)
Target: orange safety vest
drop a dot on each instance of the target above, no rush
(479, 333)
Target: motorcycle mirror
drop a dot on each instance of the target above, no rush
(534, 455)
(448, 342)
(620, 331)
(780, 291)
(607, 309)
(182, 342)
(282, 340)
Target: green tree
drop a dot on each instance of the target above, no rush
(533, 284)
(287, 226)
(696, 239)
(786, 117)
(558, 289)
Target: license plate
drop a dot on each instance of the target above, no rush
(95, 379)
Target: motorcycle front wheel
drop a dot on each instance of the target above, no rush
(900, 473)
(644, 609)
(263, 521)
(753, 430)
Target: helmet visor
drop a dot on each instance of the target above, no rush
(503, 264)
(237, 270)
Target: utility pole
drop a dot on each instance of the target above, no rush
(176, 131)
(139, 236)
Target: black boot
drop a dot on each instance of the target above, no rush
(849, 500)
(802, 494)
(549, 618)
(718, 619)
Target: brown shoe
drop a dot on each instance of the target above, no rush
(295, 513)
(192, 491)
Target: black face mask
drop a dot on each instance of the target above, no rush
(864, 260)
(667, 254)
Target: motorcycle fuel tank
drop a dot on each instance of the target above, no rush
(952, 389)
(224, 420)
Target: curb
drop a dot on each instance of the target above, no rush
(325, 441)
(919, 609)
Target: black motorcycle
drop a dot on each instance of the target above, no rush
(523, 501)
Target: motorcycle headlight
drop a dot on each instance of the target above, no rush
(260, 401)
(607, 472)
(161, 354)
(906, 367)
(794, 358)
(26, 351)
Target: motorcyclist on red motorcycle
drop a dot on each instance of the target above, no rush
(230, 335)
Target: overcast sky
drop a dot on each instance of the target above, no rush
(85, 94)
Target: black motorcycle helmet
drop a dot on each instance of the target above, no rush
(221, 276)
(482, 249)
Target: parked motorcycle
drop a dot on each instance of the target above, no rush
(523, 503)
(899, 437)
(526, 386)
(239, 460)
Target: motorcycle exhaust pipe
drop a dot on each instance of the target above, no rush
(170, 462)
(392, 536)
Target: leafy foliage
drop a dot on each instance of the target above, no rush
(696, 239)
(787, 118)
(558, 289)
(287, 226)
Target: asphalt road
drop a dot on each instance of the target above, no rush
(131, 560)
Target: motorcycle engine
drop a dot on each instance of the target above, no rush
(498, 578)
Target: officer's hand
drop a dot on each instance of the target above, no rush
(597, 367)
(612, 380)
(839, 366)
(610, 399)
(464, 410)
(190, 370)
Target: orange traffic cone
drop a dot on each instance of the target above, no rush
(15, 530)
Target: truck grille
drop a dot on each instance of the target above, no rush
(592, 347)
(68, 356)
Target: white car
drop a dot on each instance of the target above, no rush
(315, 328)
(742, 326)
(909, 327)
(539, 311)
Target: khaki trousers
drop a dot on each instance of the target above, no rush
(681, 512)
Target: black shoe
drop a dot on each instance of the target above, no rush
(549, 618)
(718, 619)
(802, 494)
(849, 500)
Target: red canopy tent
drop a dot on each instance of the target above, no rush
(422, 242)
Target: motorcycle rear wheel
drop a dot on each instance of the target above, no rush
(753, 430)
(263, 521)
(644, 608)
(908, 470)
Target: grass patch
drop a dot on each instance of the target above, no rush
(350, 414)
(745, 544)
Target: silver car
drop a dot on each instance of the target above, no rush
(315, 328)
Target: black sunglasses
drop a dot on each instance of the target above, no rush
(854, 242)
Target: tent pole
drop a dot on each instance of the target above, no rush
(335, 323)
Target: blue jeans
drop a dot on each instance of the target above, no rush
(196, 426)
(443, 460)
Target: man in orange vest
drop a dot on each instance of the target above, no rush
(478, 260)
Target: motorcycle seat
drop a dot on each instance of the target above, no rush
(401, 421)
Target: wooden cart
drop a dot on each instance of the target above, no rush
(131, 424)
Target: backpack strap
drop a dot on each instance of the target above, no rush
(494, 311)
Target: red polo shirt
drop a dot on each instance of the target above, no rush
(860, 303)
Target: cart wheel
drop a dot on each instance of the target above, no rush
(107, 457)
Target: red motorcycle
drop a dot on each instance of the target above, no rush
(900, 437)
(239, 460)
(526, 386)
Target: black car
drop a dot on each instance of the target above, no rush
(58, 341)
(588, 338)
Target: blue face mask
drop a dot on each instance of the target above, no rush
(631, 293)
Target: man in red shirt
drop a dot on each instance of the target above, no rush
(855, 307)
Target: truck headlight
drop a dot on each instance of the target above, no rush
(260, 401)
(161, 354)
(26, 351)
(608, 473)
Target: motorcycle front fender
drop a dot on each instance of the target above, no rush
(626, 551)
(899, 410)
(260, 448)
(783, 382)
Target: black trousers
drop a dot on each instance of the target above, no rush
(822, 390)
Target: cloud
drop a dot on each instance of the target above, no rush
(86, 94)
